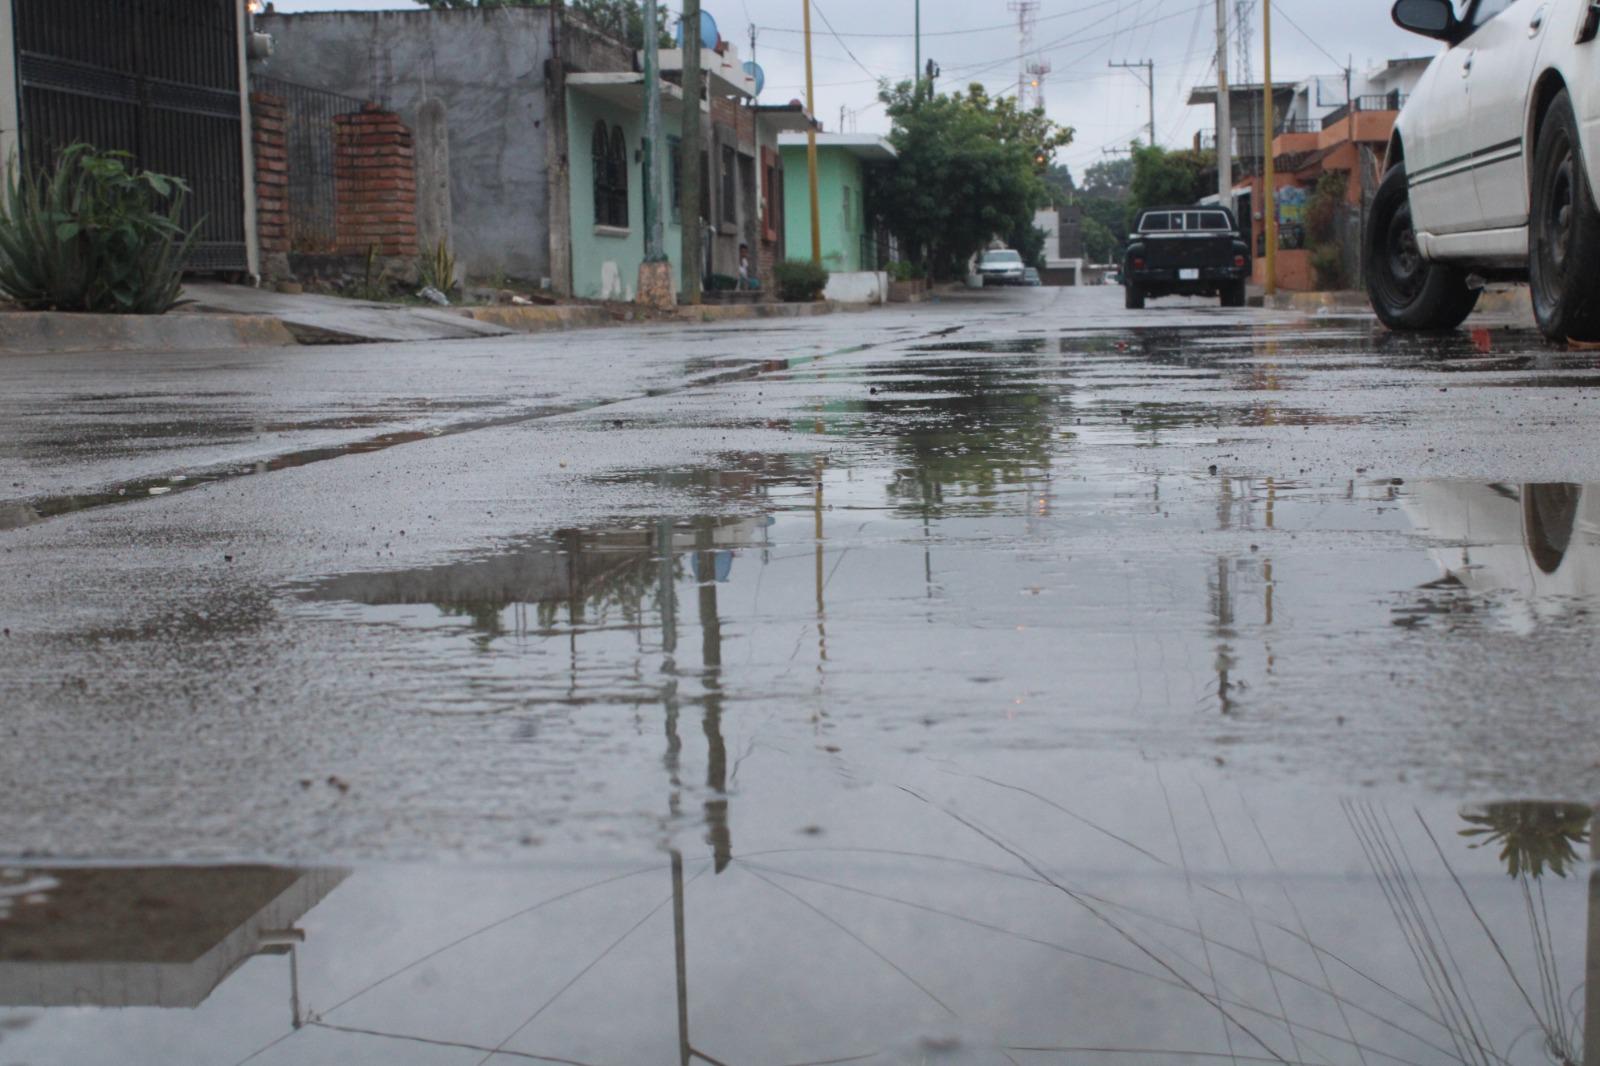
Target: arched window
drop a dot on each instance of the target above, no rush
(609, 151)
(618, 160)
(599, 150)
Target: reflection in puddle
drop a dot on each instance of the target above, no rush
(1175, 922)
(1530, 550)
(159, 936)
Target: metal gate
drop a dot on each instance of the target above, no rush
(155, 78)
(308, 120)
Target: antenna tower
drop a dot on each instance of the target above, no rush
(1036, 75)
(1027, 12)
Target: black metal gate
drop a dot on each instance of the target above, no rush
(156, 78)
(308, 120)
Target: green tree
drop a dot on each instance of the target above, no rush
(1163, 177)
(969, 167)
(1099, 245)
(622, 19)
(1109, 179)
(1028, 240)
(1058, 178)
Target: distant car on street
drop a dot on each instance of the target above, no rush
(1001, 266)
(1491, 168)
(1030, 276)
(1185, 251)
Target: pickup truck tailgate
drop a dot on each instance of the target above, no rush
(1166, 251)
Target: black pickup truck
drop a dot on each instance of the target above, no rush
(1185, 251)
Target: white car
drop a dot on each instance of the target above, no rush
(1001, 265)
(1491, 170)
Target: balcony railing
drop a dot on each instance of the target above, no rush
(1392, 101)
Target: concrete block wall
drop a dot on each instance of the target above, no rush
(272, 173)
(375, 183)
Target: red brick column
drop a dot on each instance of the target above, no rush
(375, 184)
(272, 173)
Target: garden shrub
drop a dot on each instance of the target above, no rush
(93, 233)
(800, 280)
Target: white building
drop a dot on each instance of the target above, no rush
(1063, 245)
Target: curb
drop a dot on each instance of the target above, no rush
(62, 332)
(1499, 302)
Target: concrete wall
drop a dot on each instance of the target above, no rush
(858, 287)
(837, 171)
(488, 68)
(605, 261)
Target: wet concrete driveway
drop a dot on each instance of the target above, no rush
(1006, 679)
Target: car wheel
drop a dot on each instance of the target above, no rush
(1233, 294)
(1406, 290)
(1563, 231)
(1132, 297)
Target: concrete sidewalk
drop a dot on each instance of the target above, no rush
(218, 316)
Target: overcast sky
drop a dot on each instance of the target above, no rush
(976, 40)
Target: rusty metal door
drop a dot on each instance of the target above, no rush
(158, 79)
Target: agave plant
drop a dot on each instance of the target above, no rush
(436, 268)
(93, 233)
(1531, 835)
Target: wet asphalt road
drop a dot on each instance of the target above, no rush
(1016, 678)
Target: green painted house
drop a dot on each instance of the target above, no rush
(842, 159)
(605, 123)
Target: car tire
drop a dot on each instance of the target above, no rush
(1407, 291)
(1233, 294)
(1132, 297)
(1563, 231)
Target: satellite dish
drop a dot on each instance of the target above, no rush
(708, 31)
(753, 70)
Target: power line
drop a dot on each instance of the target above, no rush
(971, 70)
(852, 55)
(1314, 42)
(963, 33)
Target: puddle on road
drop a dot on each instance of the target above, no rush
(1169, 921)
(1318, 346)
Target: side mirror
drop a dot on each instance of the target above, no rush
(1431, 18)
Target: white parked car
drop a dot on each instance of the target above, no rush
(1001, 266)
(1492, 166)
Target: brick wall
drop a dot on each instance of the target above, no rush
(375, 183)
(272, 173)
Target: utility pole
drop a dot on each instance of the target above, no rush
(1224, 112)
(811, 144)
(690, 251)
(1270, 191)
(1149, 80)
(916, 70)
(655, 273)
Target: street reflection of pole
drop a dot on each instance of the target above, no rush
(294, 987)
(682, 951)
(1266, 568)
(1591, 991)
(822, 629)
(666, 595)
(717, 832)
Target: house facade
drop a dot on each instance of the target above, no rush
(163, 80)
(543, 131)
(849, 240)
